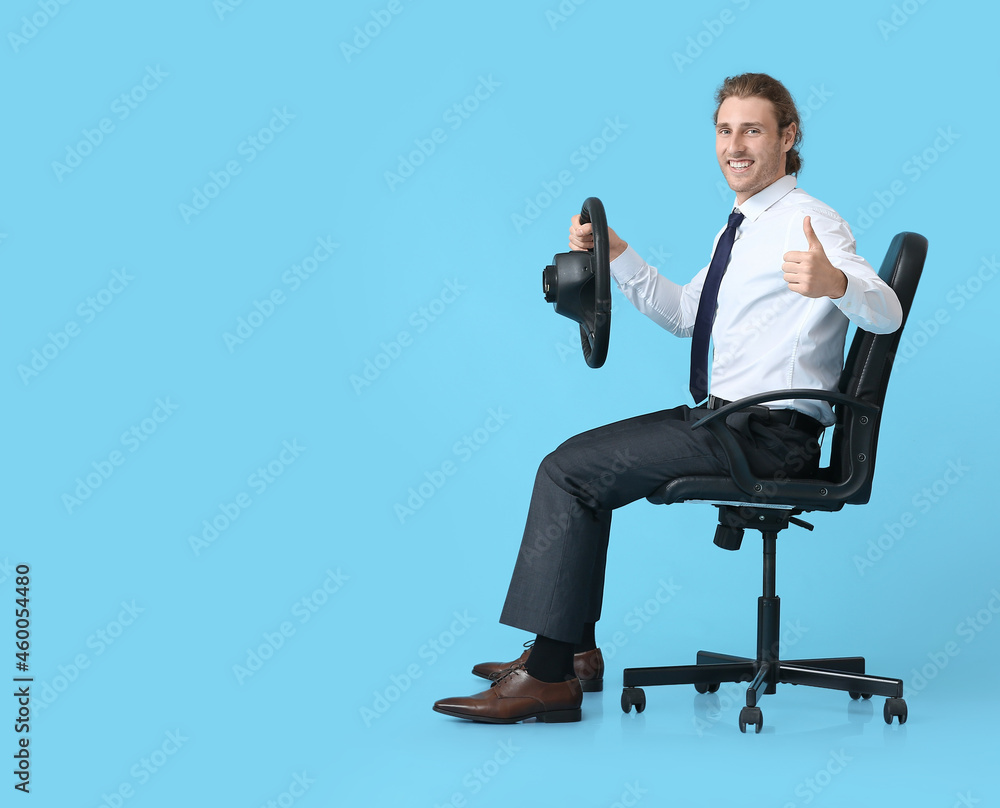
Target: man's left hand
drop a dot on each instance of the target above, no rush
(810, 273)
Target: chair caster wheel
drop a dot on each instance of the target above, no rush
(751, 715)
(894, 707)
(854, 694)
(633, 697)
(712, 688)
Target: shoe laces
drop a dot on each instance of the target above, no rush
(507, 673)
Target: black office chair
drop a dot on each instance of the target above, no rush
(746, 500)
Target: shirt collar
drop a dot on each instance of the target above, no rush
(762, 200)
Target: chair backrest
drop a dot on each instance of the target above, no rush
(869, 361)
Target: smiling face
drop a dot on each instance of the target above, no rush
(749, 144)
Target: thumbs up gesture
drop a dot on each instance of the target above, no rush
(810, 273)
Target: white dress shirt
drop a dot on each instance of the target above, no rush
(767, 337)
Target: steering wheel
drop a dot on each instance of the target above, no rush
(579, 284)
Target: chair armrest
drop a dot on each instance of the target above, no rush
(831, 396)
(781, 488)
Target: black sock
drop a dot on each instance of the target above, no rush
(550, 660)
(588, 642)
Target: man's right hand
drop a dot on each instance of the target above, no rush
(581, 237)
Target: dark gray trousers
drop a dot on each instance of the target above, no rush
(558, 580)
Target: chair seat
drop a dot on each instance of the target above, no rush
(723, 490)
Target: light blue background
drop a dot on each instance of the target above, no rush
(883, 88)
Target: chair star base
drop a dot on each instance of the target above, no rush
(846, 674)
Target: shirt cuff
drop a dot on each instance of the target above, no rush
(853, 300)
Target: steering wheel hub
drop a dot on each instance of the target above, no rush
(579, 285)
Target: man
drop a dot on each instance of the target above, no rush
(783, 284)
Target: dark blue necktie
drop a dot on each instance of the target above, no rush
(706, 309)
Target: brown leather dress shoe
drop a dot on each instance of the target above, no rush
(588, 666)
(515, 696)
